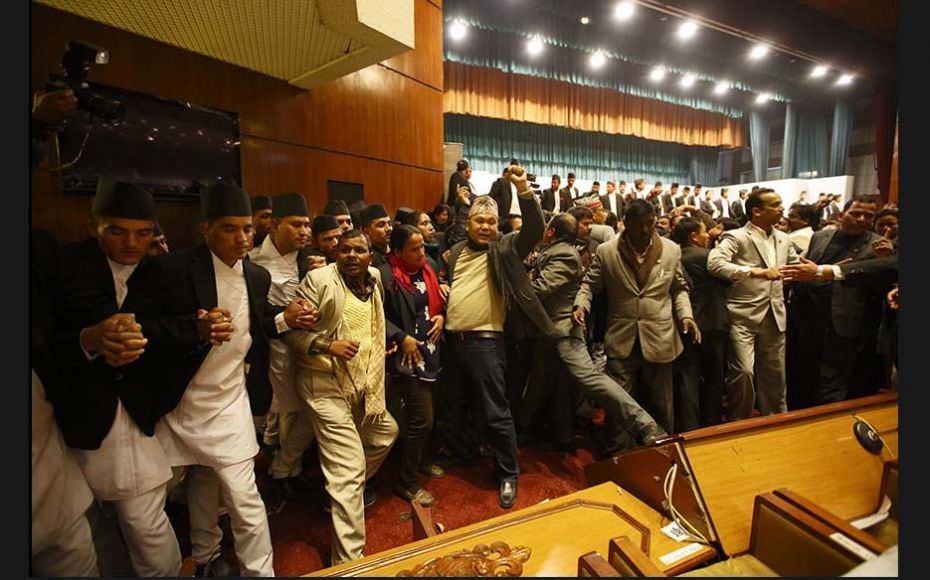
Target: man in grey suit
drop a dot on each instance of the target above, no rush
(750, 257)
(835, 319)
(642, 275)
(556, 278)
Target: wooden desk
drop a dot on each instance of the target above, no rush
(812, 452)
(557, 532)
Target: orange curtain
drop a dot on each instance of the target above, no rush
(485, 92)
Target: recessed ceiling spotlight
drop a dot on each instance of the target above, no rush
(762, 98)
(758, 51)
(687, 81)
(458, 30)
(598, 59)
(623, 10)
(687, 30)
(585, 20)
(657, 74)
(845, 79)
(721, 87)
(819, 71)
(535, 45)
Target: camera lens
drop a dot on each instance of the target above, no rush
(107, 109)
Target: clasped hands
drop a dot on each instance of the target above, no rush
(216, 327)
(118, 339)
(804, 271)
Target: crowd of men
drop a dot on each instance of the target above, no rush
(491, 321)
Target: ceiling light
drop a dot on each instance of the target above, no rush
(687, 30)
(758, 51)
(762, 98)
(819, 71)
(598, 59)
(623, 10)
(721, 87)
(458, 30)
(657, 74)
(687, 81)
(845, 79)
(585, 20)
(535, 46)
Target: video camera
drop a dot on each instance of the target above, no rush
(75, 64)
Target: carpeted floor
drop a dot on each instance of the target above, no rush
(300, 532)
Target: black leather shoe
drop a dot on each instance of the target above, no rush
(652, 434)
(218, 567)
(508, 493)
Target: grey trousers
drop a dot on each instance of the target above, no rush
(604, 391)
(351, 451)
(756, 369)
(649, 383)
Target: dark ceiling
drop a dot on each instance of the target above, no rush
(856, 36)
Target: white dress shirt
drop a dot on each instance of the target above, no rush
(212, 425)
(282, 371)
(613, 203)
(725, 205)
(128, 463)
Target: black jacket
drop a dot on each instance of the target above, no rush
(166, 299)
(708, 298)
(455, 180)
(84, 393)
(509, 275)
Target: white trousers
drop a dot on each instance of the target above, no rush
(246, 512)
(150, 539)
(71, 554)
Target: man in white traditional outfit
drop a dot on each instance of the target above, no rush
(104, 412)
(341, 380)
(207, 318)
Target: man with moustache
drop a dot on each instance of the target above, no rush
(340, 381)
(750, 257)
(377, 225)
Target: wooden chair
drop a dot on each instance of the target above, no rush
(785, 541)
(629, 560)
(863, 537)
(593, 565)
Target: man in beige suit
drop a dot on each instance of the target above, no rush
(647, 292)
(750, 257)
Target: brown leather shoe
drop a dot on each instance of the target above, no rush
(432, 470)
(424, 497)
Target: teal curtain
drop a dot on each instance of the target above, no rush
(789, 145)
(545, 149)
(812, 141)
(759, 130)
(842, 136)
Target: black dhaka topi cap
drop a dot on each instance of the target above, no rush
(260, 202)
(336, 207)
(288, 204)
(118, 199)
(371, 213)
(223, 199)
(324, 223)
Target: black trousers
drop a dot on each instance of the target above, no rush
(700, 378)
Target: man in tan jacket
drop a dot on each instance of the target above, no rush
(340, 378)
(647, 291)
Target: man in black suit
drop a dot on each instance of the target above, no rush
(461, 178)
(722, 204)
(612, 201)
(707, 203)
(667, 200)
(206, 315)
(569, 193)
(738, 207)
(687, 198)
(551, 196)
(834, 318)
(700, 371)
(504, 193)
(104, 410)
(377, 225)
(261, 218)
(595, 189)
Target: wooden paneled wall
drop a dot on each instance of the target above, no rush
(381, 126)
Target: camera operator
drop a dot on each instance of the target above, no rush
(50, 111)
